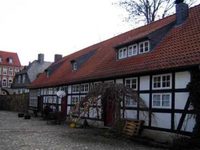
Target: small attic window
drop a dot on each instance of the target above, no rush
(74, 65)
(1, 59)
(10, 60)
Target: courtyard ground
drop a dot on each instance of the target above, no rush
(35, 134)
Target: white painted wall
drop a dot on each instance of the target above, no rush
(69, 100)
(145, 97)
(144, 82)
(182, 79)
(69, 89)
(130, 114)
(181, 99)
(162, 120)
(119, 81)
(188, 124)
(144, 115)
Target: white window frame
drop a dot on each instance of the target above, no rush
(84, 88)
(132, 50)
(129, 102)
(77, 99)
(134, 78)
(10, 71)
(5, 71)
(122, 53)
(74, 65)
(1, 59)
(6, 84)
(10, 61)
(10, 81)
(75, 88)
(143, 50)
(161, 100)
(161, 81)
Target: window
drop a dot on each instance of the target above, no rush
(23, 78)
(10, 60)
(161, 100)
(5, 71)
(4, 82)
(10, 82)
(16, 70)
(74, 100)
(0, 70)
(75, 88)
(130, 102)
(19, 79)
(162, 81)
(122, 53)
(74, 65)
(132, 50)
(10, 71)
(131, 83)
(84, 87)
(144, 47)
(1, 59)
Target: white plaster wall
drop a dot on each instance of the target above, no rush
(162, 120)
(181, 99)
(145, 97)
(144, 82)
(119, 81)
(92, 113)
(69, 89)
(69, 100)
(68, 109)
(130, 114)
(188, 123)
(144, 115)
(182, 79)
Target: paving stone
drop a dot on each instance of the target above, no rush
(35, 134)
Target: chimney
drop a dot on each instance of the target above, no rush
(40, 58)
(57, 57)
(182, 11)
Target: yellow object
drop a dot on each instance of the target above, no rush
(72, 125)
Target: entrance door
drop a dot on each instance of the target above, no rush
(64, 105)
(109, 113)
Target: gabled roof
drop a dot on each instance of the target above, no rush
(179, 48)
(7, 55)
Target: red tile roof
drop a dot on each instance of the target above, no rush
(179, 48)
(6, 55)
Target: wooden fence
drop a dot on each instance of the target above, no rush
(17, 103)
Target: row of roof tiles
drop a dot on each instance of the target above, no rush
(180, 47)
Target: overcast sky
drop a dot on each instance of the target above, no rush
(29, 27)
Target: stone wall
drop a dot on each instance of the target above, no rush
(17, 103)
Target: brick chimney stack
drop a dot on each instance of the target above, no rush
(57, 57)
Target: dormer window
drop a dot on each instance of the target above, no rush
(144, 47)
(1, 59)
(122, 53)
(74, 65)
(134, 49)
(10, 60)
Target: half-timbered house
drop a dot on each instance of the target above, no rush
(156, 60)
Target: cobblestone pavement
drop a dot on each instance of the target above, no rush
(35, 134)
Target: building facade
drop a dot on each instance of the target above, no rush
(9, 66)
(28, 74)
(157, 60)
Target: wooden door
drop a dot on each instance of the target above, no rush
(109, 113)
(64, 105)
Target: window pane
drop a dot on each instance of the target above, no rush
(166, 100)
(156, 100)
